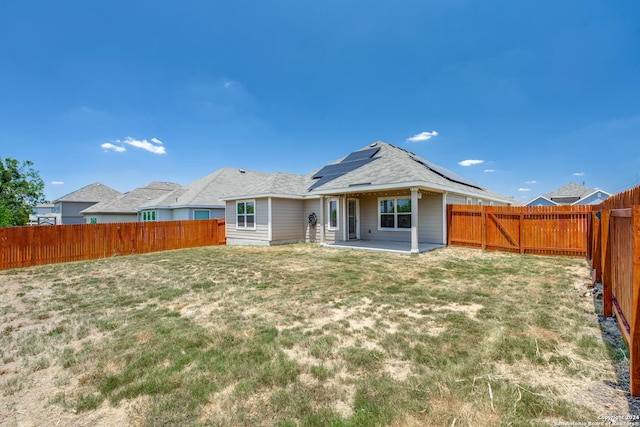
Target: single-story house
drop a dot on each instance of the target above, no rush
(68, 208)
(571, 194)
(201, 198)
(124, 207)
(380, 193)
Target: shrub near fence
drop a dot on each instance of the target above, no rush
(27, 246)
(614, 251)
(540, 230)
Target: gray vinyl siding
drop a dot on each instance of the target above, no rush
(259, 236)
(312, 233)
(70, 211)
(287, 220)
(456, 199)
(164, 215)
(110, 218)
(430, 220)
(180, 214)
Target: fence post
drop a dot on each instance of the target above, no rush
(605, 256)
(484, 227)
(521, 233)
(634, 334)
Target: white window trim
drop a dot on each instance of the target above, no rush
(469, 201)
(255, 217)
(480, 202)
(337, 226)
(395, 214)
(149, 212)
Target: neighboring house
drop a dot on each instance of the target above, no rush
(124, 207)
(571, 194)
(201, 198)
(379, 193)
(69, 207)
(43, 214)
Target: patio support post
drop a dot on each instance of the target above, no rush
(322, 209)
(414, 221)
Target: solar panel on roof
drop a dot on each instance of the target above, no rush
(361, 155)
(350, 163)
(445, 173)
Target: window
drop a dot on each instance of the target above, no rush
(332, 206)
(246, 214)
(394, 214)
(93, 220)
(148, 216)
(480, 202)
(469, 201)
(200, 214)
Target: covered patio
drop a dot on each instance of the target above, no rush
(383, 246)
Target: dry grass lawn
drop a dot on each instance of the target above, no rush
(300, 335)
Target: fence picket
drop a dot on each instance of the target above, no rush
(27, 246)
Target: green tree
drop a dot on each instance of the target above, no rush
(21, 188)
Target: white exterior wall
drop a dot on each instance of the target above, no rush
(259, 236)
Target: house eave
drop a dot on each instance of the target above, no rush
(267, 195)
(366, 188)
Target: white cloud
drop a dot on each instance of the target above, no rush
(531, 182)
(109, 146)
(524, 189)
(578, 174)
(489, 170)
(424, 136)
(154, 147)
(470, 162)
(57, 183)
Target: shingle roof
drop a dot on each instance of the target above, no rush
(570, 190)
(398, 166)
(95, 193)
(207, 191)
(128, 202)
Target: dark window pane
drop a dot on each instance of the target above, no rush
(240, 220)
(240, 208)
(250, 220)
(250, 208)
(404, 221)
(387, 221)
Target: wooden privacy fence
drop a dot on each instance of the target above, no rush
(540, 230)
(27, 246)
(614, 251)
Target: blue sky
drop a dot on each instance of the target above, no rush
(521, 97)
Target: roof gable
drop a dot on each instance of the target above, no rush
(128, 202)
(208, 190)
(94, 193)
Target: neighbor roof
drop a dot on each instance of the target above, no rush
(128, 202)
(570, 190)
(208, 191)
(95, 193)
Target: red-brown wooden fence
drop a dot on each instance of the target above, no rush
(540, 230)
(614, 252)
(36, 245)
